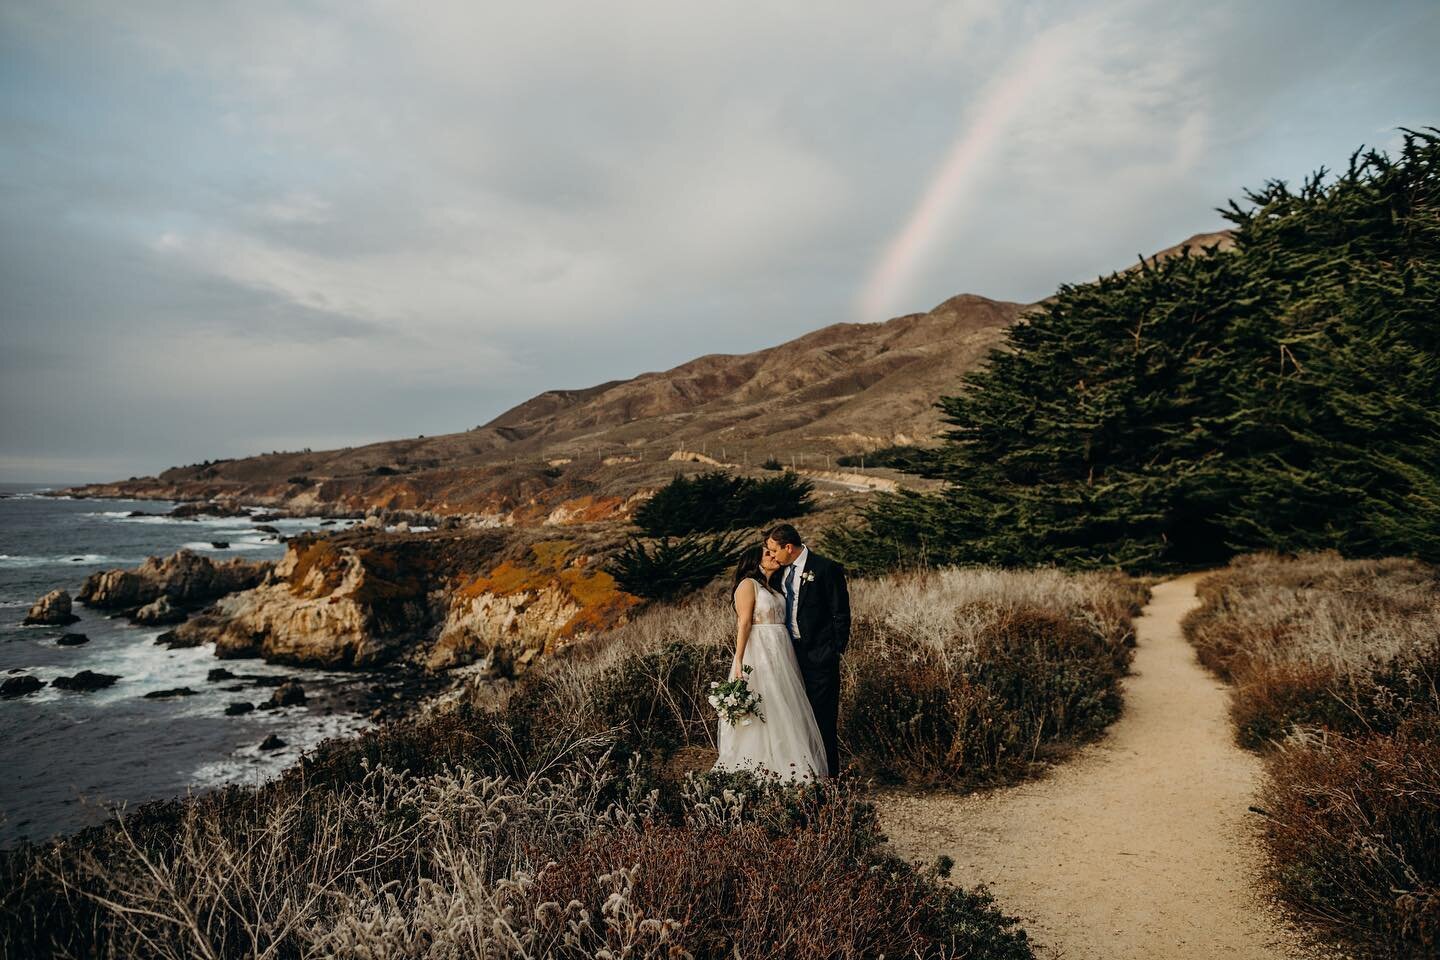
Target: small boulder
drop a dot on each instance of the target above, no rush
(288, 694)
(220, 544)
(218, 674)
(71, 640)
(86, 680)
(238, 707)
(167, 694)
(53, 609)
(272, 742)
(20, 686)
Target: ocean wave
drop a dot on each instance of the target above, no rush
(22, 560)
(204, 546)
(251, 766)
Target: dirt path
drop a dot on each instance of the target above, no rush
(1140, 846)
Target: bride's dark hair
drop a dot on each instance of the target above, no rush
(749, 566)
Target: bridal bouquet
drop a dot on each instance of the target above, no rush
(735, 700)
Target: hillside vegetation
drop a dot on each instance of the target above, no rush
(1280, 395)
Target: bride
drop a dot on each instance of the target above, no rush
(787, 741)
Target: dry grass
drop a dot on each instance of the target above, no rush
(583, 861)
(553, 824)
(1335, 666)
(955, 676)
(1317, 640)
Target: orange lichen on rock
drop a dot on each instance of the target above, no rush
(586, 599)
(318, 569)
(603, 604)
(587, 509)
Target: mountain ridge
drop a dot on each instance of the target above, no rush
(844, 388)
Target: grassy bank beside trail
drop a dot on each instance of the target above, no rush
(1336, 671)
(956, 677)
(577, 815)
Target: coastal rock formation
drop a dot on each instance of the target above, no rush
(158, 612)
(185, 579)
(53, 609)
(356, 598)
(210, 509)
(361, 598)
(20, 686)
(523, 606)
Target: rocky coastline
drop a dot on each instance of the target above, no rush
(414, 610)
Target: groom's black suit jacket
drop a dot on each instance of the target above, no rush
(824, 614)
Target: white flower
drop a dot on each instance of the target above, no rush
(808, 576)
(714, 683)
(745, 723)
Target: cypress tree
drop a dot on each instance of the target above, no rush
(1282, 395)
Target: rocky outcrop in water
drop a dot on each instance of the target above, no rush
(185, 580)
(159, 612)
(86, 680)
(53, 609)
(20, 686)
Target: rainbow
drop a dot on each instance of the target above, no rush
(1002, 100)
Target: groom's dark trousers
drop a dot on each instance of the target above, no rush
(824, 619)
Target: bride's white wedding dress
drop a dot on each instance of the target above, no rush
(787, 741)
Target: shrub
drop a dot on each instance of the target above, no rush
(1352, 646)
(568, 861)
(1336, 672)
(905, 457)
(718, 501)
(772, 464)
(1353, 832)
(1025, 686)
(670, 568)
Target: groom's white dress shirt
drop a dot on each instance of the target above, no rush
(797, 570)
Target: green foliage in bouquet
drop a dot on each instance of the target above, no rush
(719, 501)
(734, 700)
(669, 568)
(1281, 395)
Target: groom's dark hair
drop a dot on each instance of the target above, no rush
(784, 534)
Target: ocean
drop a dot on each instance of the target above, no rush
(67, 758)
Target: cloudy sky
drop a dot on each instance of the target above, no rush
(232, 228)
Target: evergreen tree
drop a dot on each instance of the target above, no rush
(1281, 395)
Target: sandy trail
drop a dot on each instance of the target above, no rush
(1139, 846)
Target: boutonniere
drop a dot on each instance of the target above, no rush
(808, 577)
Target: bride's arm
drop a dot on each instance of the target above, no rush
(744, 616)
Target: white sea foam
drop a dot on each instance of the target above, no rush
(204, 546)
(21, 560)
(145, 667)
(251, 765)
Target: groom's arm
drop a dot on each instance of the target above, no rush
(840, 608)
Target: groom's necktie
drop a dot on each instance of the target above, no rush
(790, 599)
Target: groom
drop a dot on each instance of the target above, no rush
(817, 610)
